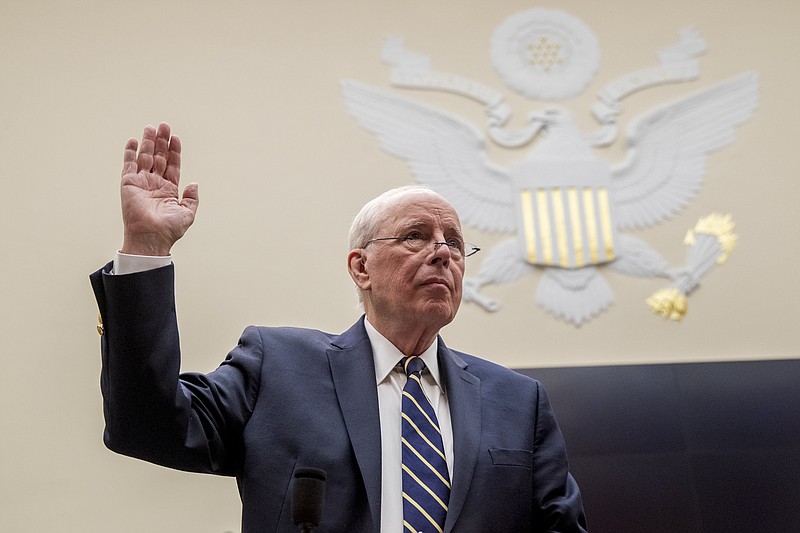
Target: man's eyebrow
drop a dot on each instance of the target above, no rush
(455, 229)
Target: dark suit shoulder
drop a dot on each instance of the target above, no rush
(306, 340)
(296, 340)
(485, 369)
(295, 333)
(313, 339)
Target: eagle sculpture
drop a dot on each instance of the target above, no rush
(565, 209)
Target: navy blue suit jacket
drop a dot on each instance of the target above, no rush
(286, 398)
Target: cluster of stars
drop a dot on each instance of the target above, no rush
(545, 54)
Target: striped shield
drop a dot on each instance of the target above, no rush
(564, 212)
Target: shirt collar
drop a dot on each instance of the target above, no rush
(386, 355)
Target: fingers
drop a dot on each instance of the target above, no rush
(145, 159)
(129, 159)
(173, 172)
(159, 153)
(161, 149)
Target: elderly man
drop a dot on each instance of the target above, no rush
(413, 436)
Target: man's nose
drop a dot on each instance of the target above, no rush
(441, 252)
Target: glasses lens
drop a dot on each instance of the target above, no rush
(457, 248)
(415, 243)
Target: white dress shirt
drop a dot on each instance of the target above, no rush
(390, 380)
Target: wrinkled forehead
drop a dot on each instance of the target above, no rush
(421, 209)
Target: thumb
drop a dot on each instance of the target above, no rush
(191, 197)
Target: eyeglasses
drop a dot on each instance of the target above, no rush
(417, 243)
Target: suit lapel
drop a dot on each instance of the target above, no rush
(353, 371)
(464, 397)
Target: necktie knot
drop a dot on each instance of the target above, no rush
(412, 364)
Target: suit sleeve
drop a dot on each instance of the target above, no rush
(187, 421)
(557, 505)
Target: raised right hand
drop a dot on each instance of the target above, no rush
(153, 215)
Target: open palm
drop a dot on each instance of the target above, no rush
(153, 213)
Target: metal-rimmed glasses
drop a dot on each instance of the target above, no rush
(417, 243)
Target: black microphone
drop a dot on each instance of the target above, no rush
(308, 496)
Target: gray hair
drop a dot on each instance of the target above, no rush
(366, 222)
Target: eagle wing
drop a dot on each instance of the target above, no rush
(669, 147)
(442, 151)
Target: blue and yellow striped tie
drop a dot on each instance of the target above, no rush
(426, 483)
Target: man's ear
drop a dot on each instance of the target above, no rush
(357, 266)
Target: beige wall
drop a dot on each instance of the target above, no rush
(252, 89)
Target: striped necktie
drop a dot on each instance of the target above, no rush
(426, 483)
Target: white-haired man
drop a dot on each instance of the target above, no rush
(287, 398)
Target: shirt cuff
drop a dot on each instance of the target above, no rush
(130, 264)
